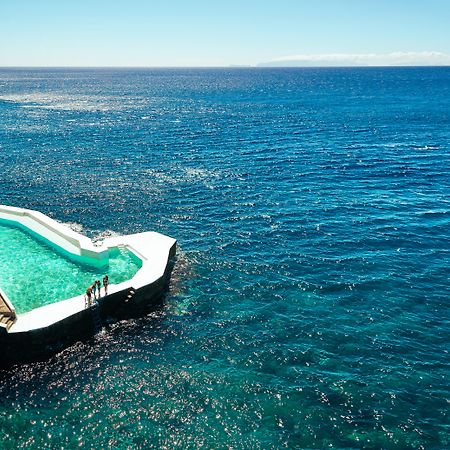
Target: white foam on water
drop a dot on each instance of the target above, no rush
(100, 237)
(74, 226)
(64, 102)
(183, 175)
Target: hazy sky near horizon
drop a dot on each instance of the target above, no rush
(214, 33)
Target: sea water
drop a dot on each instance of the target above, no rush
(34, 274)
(309, 304)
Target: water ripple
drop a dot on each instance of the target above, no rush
(308, 306)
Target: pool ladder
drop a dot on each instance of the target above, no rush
(96, 319)
(130, 295)
(95, 311)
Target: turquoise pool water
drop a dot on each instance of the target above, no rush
(33, 274)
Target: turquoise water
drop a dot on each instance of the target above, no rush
(33, 274)
(309, 304)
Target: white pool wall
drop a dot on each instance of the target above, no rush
(55, 232)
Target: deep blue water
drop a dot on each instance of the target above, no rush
(309, 306)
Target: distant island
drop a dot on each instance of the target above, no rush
(366, 59)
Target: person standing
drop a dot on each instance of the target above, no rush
(105, 284)
(87, 296)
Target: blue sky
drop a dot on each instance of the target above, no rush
(218, 33)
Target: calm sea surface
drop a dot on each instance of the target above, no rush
(309, 305)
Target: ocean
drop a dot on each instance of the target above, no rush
(309, 303)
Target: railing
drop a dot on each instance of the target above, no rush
(7, 315)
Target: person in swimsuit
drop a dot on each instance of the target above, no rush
(105, 284)
(98, 287)
(87, 296)
(94, 289)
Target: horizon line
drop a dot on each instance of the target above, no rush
(233, 66)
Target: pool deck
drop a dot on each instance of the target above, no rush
(151, 247)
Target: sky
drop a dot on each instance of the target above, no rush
(192, 33)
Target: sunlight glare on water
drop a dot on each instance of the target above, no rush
(309, 303)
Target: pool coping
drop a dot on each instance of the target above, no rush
(152, 248)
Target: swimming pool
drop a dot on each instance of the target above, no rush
(34, 273)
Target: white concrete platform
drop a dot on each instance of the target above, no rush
(153, 249)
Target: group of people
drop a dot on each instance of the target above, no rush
(94, 291)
